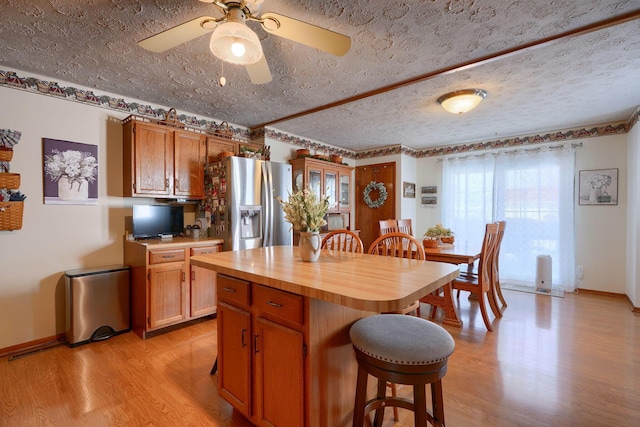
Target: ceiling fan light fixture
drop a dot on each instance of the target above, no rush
(462, 101)
(230, 38)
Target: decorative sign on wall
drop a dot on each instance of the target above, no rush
(429, 197)
(70, 172)
(598, 187)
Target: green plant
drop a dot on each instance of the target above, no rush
(304, 210)
(438, 231)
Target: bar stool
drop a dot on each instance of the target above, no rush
(403, 350)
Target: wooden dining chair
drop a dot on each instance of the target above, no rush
(388, 226)
(399, 245)
(480, 285)
(404, 226)
(343, 240)
(495, 279)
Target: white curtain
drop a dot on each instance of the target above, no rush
(530, 189)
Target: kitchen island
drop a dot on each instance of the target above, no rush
(284, 353)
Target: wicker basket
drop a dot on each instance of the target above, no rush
(223, 131)
(6, 155)
(11, 215)
(171, 119)
(10, 180)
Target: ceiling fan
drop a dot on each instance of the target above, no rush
(233, 41)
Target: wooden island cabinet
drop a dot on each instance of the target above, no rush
(284, 354)
(264, 331)
(165, 289)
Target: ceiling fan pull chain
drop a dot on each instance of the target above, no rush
(223, 80)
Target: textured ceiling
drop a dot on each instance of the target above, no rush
(589, 79)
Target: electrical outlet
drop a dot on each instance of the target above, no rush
(580, 272)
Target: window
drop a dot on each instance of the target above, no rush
(533, 192)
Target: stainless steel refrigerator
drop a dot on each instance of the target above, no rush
(244, 209)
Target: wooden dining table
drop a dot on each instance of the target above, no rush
(459, 253)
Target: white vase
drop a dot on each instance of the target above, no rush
(310, 246)
(73, 190)
(594, 193)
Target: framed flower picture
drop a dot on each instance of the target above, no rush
(409, 190)
(598, 187)
(70, 172)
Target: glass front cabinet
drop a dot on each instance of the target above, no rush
(326, 178)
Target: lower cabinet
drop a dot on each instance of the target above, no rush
(167, 292)
(262, 352)
(165, 289)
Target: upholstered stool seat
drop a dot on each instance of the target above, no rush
(403, 350)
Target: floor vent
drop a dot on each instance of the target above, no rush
(35, 349)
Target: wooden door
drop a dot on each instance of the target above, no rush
(234, 357)
(167, 295)
(367, 217)
(189, 155)
(153, 160)
(279, 374)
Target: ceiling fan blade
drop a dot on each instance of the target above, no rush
(177, 35)
(307, 34)
(259, 72)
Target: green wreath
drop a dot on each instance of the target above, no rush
(382, 190)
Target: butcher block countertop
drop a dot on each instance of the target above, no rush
(360, 281)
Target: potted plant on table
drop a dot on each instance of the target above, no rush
(436, 235)
(305, 211)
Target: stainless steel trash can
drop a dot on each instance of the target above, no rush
(97, 303)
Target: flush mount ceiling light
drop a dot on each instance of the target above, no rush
(234, 42)
(462, 101)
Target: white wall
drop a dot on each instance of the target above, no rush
(429, 173)
(633, 216)
(601, 230)
(55, 238)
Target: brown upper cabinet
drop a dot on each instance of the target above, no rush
(324, 178)
(162, 161)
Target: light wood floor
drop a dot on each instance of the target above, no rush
(572, 361)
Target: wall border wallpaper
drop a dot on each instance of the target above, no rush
(32, 84)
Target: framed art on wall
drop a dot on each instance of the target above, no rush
(70, 173)
(598, 187)
(409, 190)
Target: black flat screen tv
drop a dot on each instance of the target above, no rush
(151, 221)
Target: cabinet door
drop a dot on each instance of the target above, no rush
(153, 160)
(315, 181)
(279, 374)
(203, 285)
(216, 146)
(345, 192)
(330, 188)
(167, 295)
(203, 291)
(189, 150)
(234, 357)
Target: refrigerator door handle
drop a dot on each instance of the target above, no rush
(267, 184)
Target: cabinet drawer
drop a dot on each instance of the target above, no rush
(281, 304)
(204, 250)
(166, 255)
(233, 290)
